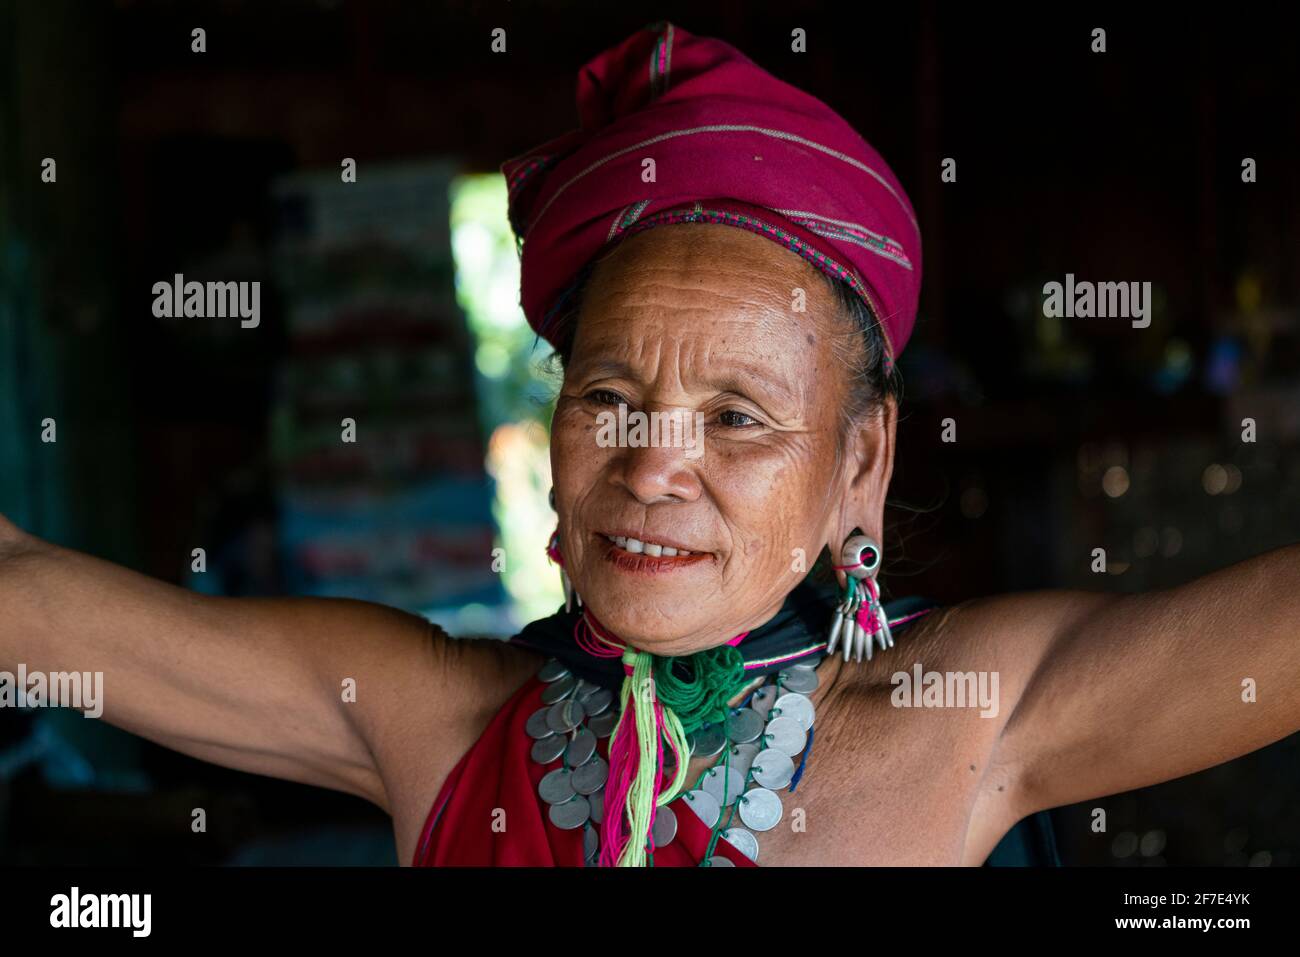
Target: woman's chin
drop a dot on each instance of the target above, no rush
(644, 626)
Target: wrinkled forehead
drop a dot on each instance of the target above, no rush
(719, 287)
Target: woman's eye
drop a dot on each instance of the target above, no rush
(736, 419)
(606, 397)
(732, 418)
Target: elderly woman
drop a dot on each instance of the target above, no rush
(667, 715)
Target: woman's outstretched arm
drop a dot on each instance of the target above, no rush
(254, 684)
(1121, 692)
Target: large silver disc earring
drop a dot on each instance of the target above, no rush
(860, 621)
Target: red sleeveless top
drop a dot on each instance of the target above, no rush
(488, 812)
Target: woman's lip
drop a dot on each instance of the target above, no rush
(641, 563)
(668, 543)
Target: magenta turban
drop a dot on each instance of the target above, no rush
(731, 144)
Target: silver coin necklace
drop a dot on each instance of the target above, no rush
(762, 738)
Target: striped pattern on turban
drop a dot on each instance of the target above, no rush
(731, 144)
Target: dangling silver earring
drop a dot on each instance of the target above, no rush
(860, 619)
(553, 551)
(569, 593)
(568, 589)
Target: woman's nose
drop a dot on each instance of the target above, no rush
(656, 473)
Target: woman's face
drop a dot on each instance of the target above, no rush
(696, 321)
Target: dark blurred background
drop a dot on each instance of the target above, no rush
(391, 300)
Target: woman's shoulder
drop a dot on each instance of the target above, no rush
(909, 610)
(435, 707)
(489, 662)
(997, 639)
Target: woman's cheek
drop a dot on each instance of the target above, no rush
(763, 468)
(572, 433)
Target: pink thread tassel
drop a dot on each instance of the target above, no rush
(623, 761)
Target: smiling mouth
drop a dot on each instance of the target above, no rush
(633, 555)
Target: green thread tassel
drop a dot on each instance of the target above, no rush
(716, 675)
(677, 738)
(639, 687)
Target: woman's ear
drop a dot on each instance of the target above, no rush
(870, 464)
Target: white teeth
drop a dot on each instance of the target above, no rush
(638, 547)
